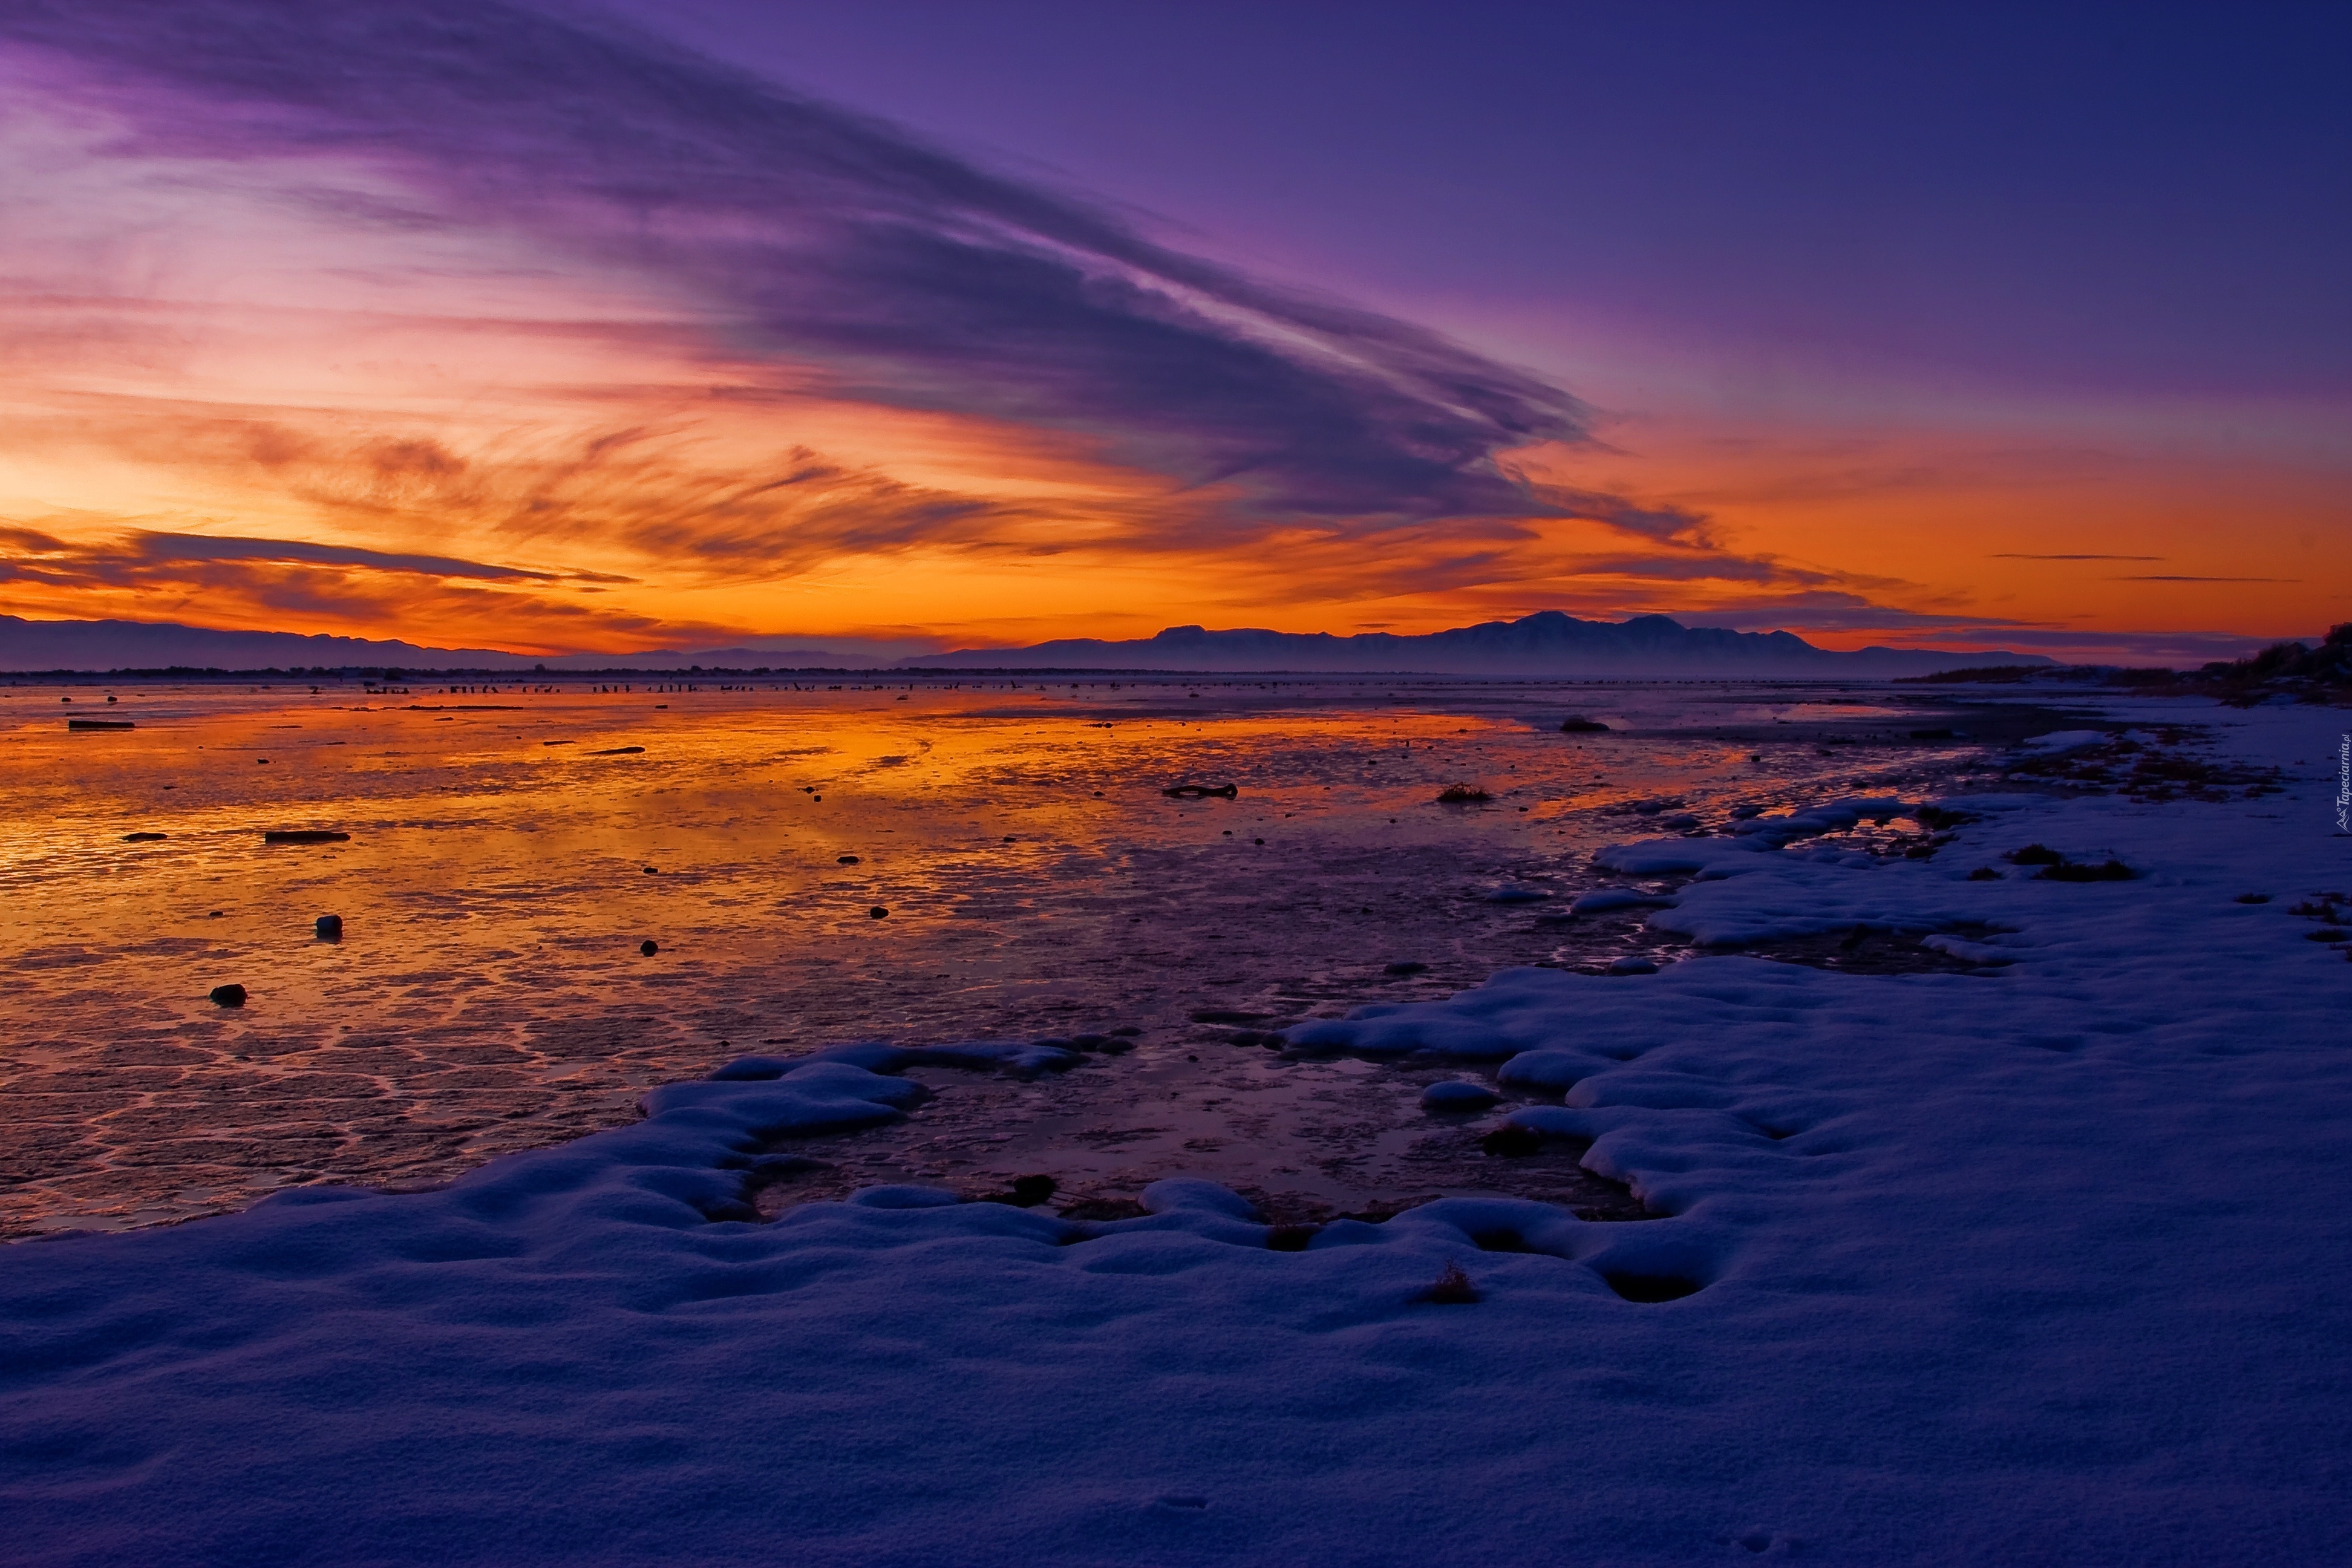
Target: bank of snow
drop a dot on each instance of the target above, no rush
(2052, 1263)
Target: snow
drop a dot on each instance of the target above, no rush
(1600, 900)
(2048, 1265)
(2070, 740)
(1455, 1095)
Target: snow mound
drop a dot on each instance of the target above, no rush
(1602, 899)
(1455, 1095)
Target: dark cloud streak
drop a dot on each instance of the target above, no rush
(914, 277)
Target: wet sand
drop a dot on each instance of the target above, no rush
(510, 852)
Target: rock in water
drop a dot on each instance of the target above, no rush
(329, 928)
(649, 948)
(228, 995)
(304, 836)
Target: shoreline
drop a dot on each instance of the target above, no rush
(2047, 1266)
(477, 1001)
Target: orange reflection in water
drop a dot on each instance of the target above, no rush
(510, 851)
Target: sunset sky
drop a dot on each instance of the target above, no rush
(912, 326)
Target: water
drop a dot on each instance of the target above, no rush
(503, 870)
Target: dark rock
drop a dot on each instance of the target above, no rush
(99, 725)
(1406, 968)
(649, 947)
(1201, 792)
(143, 837)
(228, 995)
(844, 859)
(2074, 871)
(1512, 1141)
(329, 927)
(1577, 724)
(1028, 1192)
(1452, 1289)
(1289, 1238)
(617, 751)
(1025, 1192)
(877, 912)
(2035, 855)
(304, 836)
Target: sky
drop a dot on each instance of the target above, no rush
(564, 327)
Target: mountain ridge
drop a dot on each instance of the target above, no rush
(1546, 643)
(1549, 642)
(28, 646)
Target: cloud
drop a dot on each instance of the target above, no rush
(908, 277)
(276, 584)
(2177, 579)
(2017, 556)
(32, 553)
(1664, 524)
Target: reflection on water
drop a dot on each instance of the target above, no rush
(914, 862)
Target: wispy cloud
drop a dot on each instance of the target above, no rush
(2019, 555)
(912, 278)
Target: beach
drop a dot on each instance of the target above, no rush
(2038, 1258)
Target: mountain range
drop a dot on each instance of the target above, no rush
(161, 644)
(1546, 643)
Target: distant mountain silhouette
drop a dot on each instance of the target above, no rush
(161, 645)
(1546, 643)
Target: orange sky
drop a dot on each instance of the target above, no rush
(229, 402)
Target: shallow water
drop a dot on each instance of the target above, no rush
(507, 859)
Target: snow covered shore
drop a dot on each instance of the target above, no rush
(2050, 1262)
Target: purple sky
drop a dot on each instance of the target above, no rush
(2135, 198)
(540, 324)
